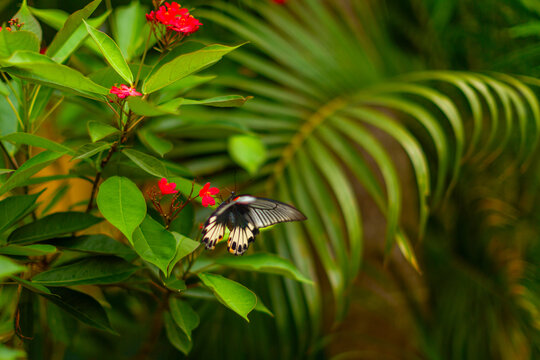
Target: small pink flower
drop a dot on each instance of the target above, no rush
(281, 2)
(124, 91)
(166, 187)
(206, 194)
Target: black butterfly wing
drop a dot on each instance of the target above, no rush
(214, 227)
(244, 216)
(265, 212)
(242, 230)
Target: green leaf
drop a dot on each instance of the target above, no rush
(29, 168)
(176, 337)
(183, 315)
(141, 106)
(88, 271)
(88, 150)
(98, 130)
(81, 306)
(154, 243)
(155, 143)
(14, 208)
(37, 141)
(264, 263)
(128, 25)
(66, 35)
(220, 101)
(39, 289)
(174, 284)
(51, 226)
(147, 162)
(28, 250)
(6, 171)
(94, 244)
(11, 354)
(247, 151)
(42, 70)
(184, 247)
(30, 22)
(8, 267)
(11, 41)
(260, 307)
(185, 65)
(110, 52)
(233, 295)
(122, 204)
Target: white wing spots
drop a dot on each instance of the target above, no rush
(240, 238)
(212, 233)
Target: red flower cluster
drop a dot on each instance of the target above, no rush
(166, 187)
(124, 91)
(174, 18)
(206, 194)
(7, 28)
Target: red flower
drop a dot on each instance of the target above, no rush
(186, 25)
(151, 17)
(166, 187)
(174, 18)
(124, 91)
(7, 28)
(206, 194)
(281, 2)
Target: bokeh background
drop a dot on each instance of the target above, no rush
(406, 130)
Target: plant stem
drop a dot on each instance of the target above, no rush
(104, 162)
(143, 57)
(15, 112)
(11, 160)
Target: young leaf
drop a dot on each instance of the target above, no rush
(28, 250)
(183, 315)
(81, 306)
(264, 263)
(220, 101)
(233, 295)
(98, 130)
(111, 52)
(154, 243)
(147, 162)
(94, 244)
(14, 208)
(176, 337)
(91, 149)
(185, 65)
(184, 247)
(37, 141)
(88, 271)
(29, 22)
(52, 226)
(29, 168)
(155, 143)
(122, 204)
(69, 29)
(8, 267)
(247, 151)
(11, 41)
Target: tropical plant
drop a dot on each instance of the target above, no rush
(57, 265)
(347, 116)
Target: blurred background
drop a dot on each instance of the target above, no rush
(407, 132)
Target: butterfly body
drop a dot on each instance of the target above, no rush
(244, 215)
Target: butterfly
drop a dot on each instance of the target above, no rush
(244, 215)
